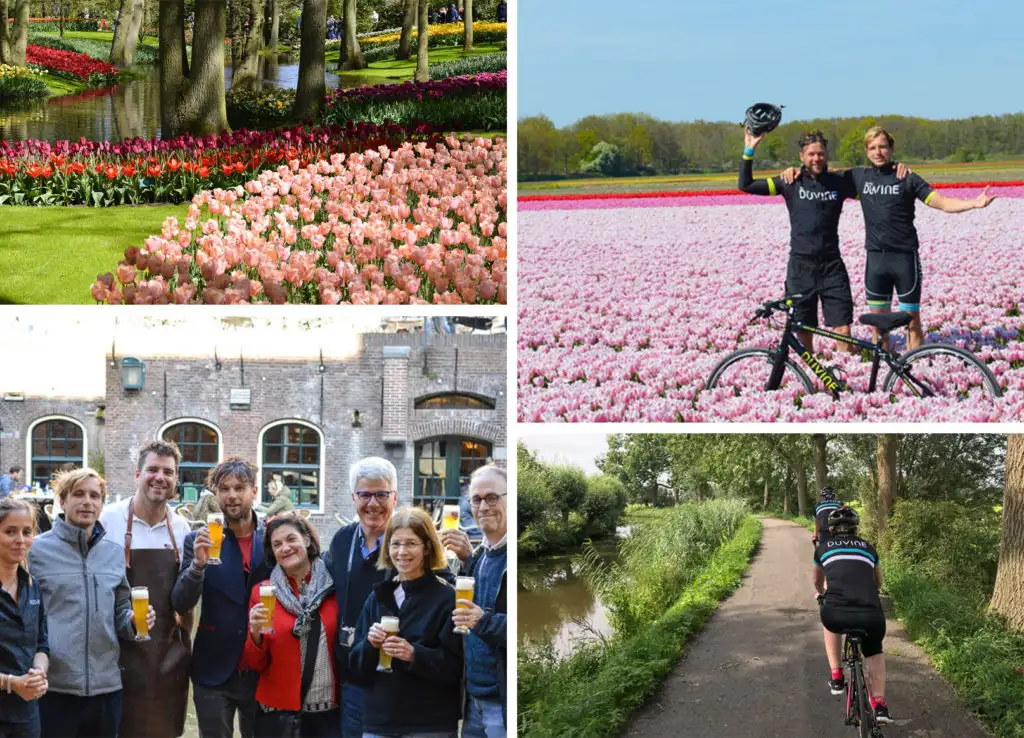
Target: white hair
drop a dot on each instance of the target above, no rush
(489, 471)
(373, 469)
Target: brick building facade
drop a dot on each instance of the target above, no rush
(434, 405)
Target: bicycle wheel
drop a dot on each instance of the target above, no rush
(749, 370)
(864, 709)
(941, 371)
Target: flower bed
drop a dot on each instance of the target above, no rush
(73, 65)
(445, 34)
(144, 54)
(415, 224)
(478, 64)
(262, 109)
(100, 173)
(624, 311)
(470, 101)
(70, 24)
(21, 83)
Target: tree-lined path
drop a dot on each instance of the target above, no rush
(758, 669)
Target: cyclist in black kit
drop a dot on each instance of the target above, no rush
(827, 505)
(814, 203)
(850, 568)
(887, 199)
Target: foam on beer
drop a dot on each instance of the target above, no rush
(140, 594)
(464, 583)
(389, 623)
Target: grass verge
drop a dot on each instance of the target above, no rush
(804, 521)
(974, 651)
(391, 70)
(52, 255)
(594, 692)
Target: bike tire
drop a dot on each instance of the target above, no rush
(866, 713)
(762, 356)
(921, 354)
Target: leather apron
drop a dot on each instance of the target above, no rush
(155, 672)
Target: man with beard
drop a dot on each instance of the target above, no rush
(153, 537)
(222, 683)
(485, 616)
(352, 563)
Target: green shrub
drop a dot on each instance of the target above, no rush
(270, 108)
(20, 83)
(485, 110)
(533, 496)
(470, 65)
(603, 506)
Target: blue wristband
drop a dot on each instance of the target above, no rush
(748, 151)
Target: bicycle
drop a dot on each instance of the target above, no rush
(927, 371)
(858, 697)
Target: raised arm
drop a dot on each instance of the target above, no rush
(747, 183)
(957, 205)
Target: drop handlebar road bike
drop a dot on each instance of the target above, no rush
(859, 712)
(932, 370)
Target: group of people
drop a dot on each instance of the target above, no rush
(369, 637)
(814, 196)
(847, 577)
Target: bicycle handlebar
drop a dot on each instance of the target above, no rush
(786, 303)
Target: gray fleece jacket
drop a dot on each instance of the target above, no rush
(87, 602)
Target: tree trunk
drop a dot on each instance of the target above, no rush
(820, 460)
(353, 54)
(271, 25)
(309, 95)
(1008, 597)
(785, 491)
(467, 26)
(14, 36)
(801, 487)
(126, 33)
(245, 48)
(765, 503)
(405, 42)
(886, 479)
(192, 103)
(422, 45)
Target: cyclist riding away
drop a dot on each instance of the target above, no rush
(887, 199)
(814, 203)
(826, 504)
(833, 641)
(848, 566)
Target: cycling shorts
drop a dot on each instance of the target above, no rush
(837, 619)
(887, 272)
(827, 276)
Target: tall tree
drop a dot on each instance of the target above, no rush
(568, 485)
(353, 54)
(793, 450)
(886, 454)
(192, 98)
(467, 26)
(246, 44)
(126, 33)
(14, 36)
(1008, 597)
(309, 95)
(271, 24)
(423, 41)
(820, 460)
(408, 22)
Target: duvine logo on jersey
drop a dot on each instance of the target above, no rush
(816, 195)
(870, 188)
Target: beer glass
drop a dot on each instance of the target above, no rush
(268, 597)
(390, 624)
(463, 591)
(450, 517)
(140, 608)
(215, 524)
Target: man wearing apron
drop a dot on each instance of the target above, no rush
(155, 672)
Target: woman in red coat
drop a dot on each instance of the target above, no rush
(297, 693)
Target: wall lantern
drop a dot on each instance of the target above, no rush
(133, 374)
(356, 422)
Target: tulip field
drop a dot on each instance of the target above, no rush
(626, 305)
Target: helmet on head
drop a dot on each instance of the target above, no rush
(844, 519)
(763, 118)
(828, 494)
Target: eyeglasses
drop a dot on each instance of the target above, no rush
(366, 496)
(405, 544)
(491, 499)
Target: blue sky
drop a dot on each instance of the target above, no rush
(681, 60)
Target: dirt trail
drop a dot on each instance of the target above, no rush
(758, 669)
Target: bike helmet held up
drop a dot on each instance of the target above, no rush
(844, 517)
(828, 494)
(763, 118)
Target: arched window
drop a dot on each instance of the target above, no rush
(454, 401)
(57, 443)
(444, 465)
(291, 454)
(199, 443)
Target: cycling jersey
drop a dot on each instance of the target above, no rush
(888, 205)
(814, 205)
(849, 563)
(821, 513)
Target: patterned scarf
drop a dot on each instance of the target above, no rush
(306, 606)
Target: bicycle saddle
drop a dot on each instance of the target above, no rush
(886, 322)
(855, 635)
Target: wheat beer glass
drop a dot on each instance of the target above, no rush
(463, 591)
(215, 524)
(450, 517)
(268, 597)
(140, 608)
(390, 624)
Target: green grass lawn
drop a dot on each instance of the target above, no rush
(108, 36)
(59, 86)
(390, 69)
(52, 255)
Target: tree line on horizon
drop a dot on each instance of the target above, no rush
(629, 144)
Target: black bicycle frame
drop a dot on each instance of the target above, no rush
(824, 373)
